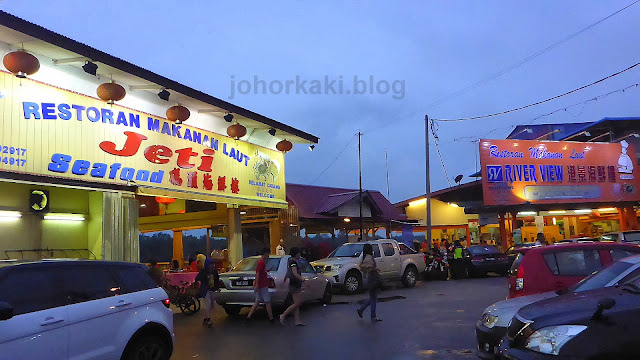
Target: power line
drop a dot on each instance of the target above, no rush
(507, 69)
(542, 101)
(433, 126)
(334, 160)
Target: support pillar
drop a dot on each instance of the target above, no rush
(632, 218)
(623, 219)
(120, 236)
(468, 235)
(503, 232)
(178, 247)
(235, 236)
(275, 234)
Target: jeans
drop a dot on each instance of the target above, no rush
(372, 300)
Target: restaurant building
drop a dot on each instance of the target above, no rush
(95, 150)
(563, 180)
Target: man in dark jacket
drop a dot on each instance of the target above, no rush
(208, 278)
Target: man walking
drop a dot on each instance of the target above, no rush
(458, 262)
(261, 285)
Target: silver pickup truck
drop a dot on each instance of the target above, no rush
(394, 260)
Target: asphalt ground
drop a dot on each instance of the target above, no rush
(434, 320)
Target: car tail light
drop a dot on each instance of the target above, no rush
(476, 258)
(520, 278)
(166, 303)
(272, 283)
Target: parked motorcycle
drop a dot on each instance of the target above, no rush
(437, 267)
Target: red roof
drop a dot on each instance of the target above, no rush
(312, 201)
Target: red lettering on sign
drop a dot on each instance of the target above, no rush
(192, 179)
(130, 148)
(174, 177)
(235, 186)
(207, 183)
(183, 157)
(153, 152)
(222, 183)
(207, 161)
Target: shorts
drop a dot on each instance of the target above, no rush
(262, 295)
(294, 290)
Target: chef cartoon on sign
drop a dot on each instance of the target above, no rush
(625, 165)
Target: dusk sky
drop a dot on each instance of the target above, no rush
(429, 49)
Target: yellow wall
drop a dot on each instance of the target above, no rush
(32, 231)
(441, 213)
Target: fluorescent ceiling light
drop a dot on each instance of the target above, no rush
(454, 204)
(608, 209)
(527, 213)
(418, 202)
(582, 211)
(64, 217)
(10, 214)
(557, 212)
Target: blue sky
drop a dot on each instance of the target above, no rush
(435, 47)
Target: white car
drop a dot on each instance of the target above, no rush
(622, 236)
(394, 260)
(82, 309)
(492, 326)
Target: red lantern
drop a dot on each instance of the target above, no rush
(111, 92)
(284, 146)
(21, 63)
(165, 200)
(178, 113)
(236, 131)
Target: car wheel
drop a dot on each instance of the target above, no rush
(232, 311)
(326, 297)
(147, 348)
(352, 282)
(410, 277)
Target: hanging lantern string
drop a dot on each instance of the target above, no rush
(542, 101)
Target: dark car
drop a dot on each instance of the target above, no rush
(595, 324)
(481, 259)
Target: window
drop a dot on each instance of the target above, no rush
(388, 249)
(617, 254)
(86, 283)
(484, 250)
(405, 250)
(133, 278)
(376, 250)
(630, 277)
(573, 263)
(30, 290)
(632, 236)
(250, 264)
(349, 250)
(609, 237)
(603, 277)
(305, 267)
(516, 263)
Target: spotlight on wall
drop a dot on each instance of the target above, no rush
(311, 147)
(164, 94)
(90, 68)
(272, 131)
(228, 117)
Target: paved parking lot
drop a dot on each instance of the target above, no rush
(434, 320)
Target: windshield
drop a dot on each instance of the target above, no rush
(484, 250)
(601, 278)
(348, 250)
(632, 236)
(249, 264)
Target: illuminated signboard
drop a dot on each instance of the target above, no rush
(53, 132)
(521, 171)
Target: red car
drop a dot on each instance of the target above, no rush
(555, 267)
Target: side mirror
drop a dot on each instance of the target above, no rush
(603, 304)
(6, 311)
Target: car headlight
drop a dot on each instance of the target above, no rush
(489, 320)
(549, 340)
(336, 267)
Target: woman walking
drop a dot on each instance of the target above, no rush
(208, 278)
(295, 287)
(371, 281)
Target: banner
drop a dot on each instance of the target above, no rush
(544, 172)
(53, 132)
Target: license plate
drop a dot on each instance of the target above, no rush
(490, 259)
(242, 283)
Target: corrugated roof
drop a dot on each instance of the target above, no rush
(312, 200)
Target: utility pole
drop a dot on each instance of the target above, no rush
(360, 192)
(386, 160)
(428, 182)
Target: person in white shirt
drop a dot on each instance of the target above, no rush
(280, 248)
